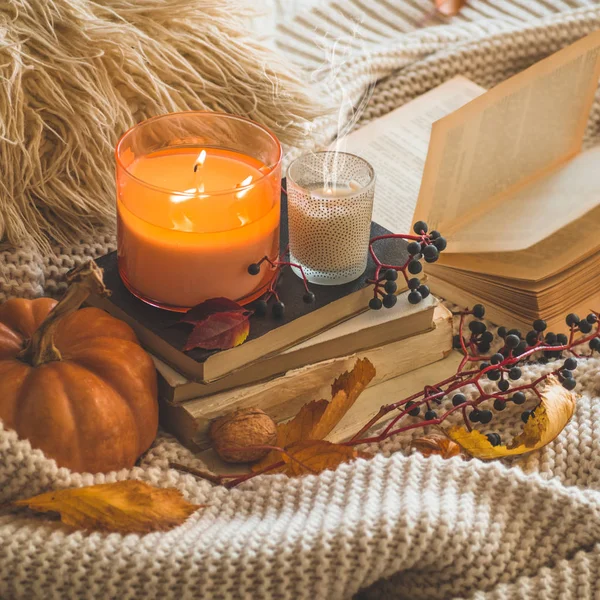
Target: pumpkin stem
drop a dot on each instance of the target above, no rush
(83, 280)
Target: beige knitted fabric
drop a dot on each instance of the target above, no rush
(396, 526)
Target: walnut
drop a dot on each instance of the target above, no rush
(234, 435)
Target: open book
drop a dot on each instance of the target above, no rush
(502, 174)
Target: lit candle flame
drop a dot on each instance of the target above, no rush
(200, 160)
(244, 183)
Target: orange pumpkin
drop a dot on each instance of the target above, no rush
(76, 383)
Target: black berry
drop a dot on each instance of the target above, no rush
(390, 287)
(375, 303)
(474, 416)
(390, 300)
(456, 342)
(477, 327)
(440, 243)
(308, 297)
(415, 411)
(415, 297)
(434, 235)
(458, 399)
(430, 415)
(261, 307)
(525, 415)
(413, 248)
(532, 338)
(521, 347)
(479, 311)
(431, 253)
(414, 283)
(487, 336)
(515, 373)
(497, 358)
(483, 347)
(485, 416)
(502, 332)
(254, 269)
(595, 344)
(540, 325)
(484, 365)
(414, 267)
(503, 385)
(494, 439)
(572, 319)
(391, 275)
(512, 340)
(591, 318)
(570, 364)
(585, 326)
(420, 227)
(569, 383)
(562, 339)
(278, 309)
(518, 398)
(550, 338)
(424, 291)
(494, 375)
(499, 404)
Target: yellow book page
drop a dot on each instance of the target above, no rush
(505, 139)
(563, 249)
(396, 145)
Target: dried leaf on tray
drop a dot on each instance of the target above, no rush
(436, 444)
(549, 418)
(218, 323)
(125, 507)
(315, 456)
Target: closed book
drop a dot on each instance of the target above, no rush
(369, 329)
(283, 396)
(162, 334)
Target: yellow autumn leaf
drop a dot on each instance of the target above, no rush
(125, 507)
(293, 431)
(549, 418)
(316, 456)
(345, 390)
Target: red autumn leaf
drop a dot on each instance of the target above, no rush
(210, 307)
(219, 331)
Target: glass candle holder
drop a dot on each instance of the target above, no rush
(198, 200)
(330, 206)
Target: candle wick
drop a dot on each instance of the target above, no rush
(196, 167)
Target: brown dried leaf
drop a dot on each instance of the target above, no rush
(550, 417)
(449, 8)
(436, 444)
(345, 390)
(316, 456)
(293, 431)
(125, 507)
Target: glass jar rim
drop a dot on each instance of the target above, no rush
(270, 168)
(348, 194)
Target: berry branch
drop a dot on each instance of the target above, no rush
(422, 245)
(261, 306)
(503, 367)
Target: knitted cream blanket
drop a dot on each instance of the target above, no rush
(396, 526)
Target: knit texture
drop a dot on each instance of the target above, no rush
(398, 525)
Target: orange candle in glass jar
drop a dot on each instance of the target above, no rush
(192, 218)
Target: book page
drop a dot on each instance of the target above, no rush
(546, 258)
(519, 131)
(396, 146)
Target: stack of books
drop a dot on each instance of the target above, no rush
(285, 362)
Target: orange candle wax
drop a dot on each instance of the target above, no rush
(191, 220)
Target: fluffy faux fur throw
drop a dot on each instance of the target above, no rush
(75, 74)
